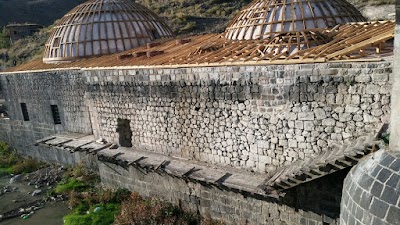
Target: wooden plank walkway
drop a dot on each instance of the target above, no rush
(269, 185)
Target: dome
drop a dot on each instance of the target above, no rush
(100, 27)
(267, 18)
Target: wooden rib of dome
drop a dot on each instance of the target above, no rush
(100, 27)
(263, 19)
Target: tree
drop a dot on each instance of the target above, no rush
(4, 39)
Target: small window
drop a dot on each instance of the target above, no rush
(56, 114)
(24, 110)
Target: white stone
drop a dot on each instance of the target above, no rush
(319, 114)
(328, 122)
(292, 143)
(306, 116)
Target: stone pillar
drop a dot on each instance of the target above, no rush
(395, 98)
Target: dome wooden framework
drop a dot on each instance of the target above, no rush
(100, 27)
(264, 19)
(365, 41)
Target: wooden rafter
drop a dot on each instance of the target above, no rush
(354, 41)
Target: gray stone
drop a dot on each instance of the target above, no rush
(36, 192)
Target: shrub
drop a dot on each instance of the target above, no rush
(26, 166)
(138, 211)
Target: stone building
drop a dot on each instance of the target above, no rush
(259, 125)
(19, 31)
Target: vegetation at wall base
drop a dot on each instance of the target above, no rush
(12, 163)
(136, 210)
(92, 205)
(100, 214)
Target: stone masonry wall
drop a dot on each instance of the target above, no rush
(371, 192)
(253, 117)
(257, 118)
(39, 91)
(229, 206)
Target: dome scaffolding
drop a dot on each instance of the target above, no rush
(101, 27)
(264, 19)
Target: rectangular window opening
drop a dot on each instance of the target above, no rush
(24, 110)
(125, 133)
(56, 114)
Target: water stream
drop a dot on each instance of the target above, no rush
(51, 214)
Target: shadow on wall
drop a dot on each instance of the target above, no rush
(321, 196)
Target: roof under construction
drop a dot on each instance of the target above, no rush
(354, 41)
(100, 27)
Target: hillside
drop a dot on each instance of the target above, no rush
(196, 16)
(184, 16)
(43, 12)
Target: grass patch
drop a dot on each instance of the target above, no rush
(92, 205)
(6, 170)
(70, 185)
(101, 214)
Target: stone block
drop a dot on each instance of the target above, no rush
(393, 215)
(365, 78)
(390, 195)
(384, 175)
(306, 116)
(319, 113)
(380, 78)
(292, 143)
(328, 122)
(379, 208)
(372, 89)
(345, 117)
